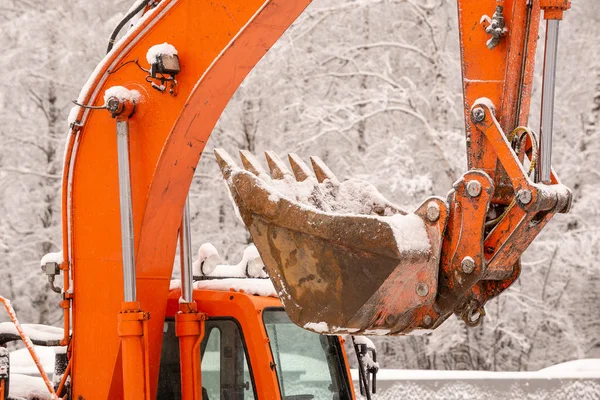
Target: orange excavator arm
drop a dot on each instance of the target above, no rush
(218, 43)
(164, 113)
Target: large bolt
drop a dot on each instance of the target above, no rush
(433, 211)
(422, 289)
(468, 265)
(113, 104)
(390, 319)
(524, 196)
(478, 114)
(427, 320)
(473, 188)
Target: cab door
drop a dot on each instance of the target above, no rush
(226, 373)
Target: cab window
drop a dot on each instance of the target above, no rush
(226, 374)
(225, 370)
(308, 365)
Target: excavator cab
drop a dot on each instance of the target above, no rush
(251, 349)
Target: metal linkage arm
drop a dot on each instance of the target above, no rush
(536, 202)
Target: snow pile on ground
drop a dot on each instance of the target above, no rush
(576, 369)
(22, 363)
(571, 390)
(25, 381)
(28, 387)
(589, 367)
(573, 380)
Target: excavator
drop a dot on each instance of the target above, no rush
(342, 259)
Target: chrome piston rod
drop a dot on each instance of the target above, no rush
(129, 283)
(185, 241)
(548, 86)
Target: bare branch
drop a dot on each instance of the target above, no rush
(29, 172)
(399, 45)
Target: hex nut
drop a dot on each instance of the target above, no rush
(478, 114)
(468, 265)
(422, 289)
(433, 211)
(473, 188)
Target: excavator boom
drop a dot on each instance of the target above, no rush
(137, 134)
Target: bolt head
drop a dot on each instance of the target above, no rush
(473, 188)
(478, 114)
(390, 319)
(427, 320)
(422, 289)
(433, 211)
(113, 104)
(524, 196)
(468, 265)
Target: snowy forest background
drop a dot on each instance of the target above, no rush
(372, 87)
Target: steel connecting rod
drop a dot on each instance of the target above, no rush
(132, 322)
(553, 13)
(129, 283)
(185, 253)
(548, 86)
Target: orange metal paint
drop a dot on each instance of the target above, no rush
(554, 9)
(247, 311)
(131, 331)
(165, 147)
(346, 363)
(516, 231)
(189, 328)
(521, 46)
(498, 75)
(483, 72)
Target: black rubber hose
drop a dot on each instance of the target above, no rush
(113, 36)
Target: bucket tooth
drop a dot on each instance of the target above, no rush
(299, 167)
(276, 165)
(322, 171)
(251, 164)
(226, 163)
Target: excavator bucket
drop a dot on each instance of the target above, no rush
(342, 258)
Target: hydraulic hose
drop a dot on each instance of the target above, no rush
(127, 18)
